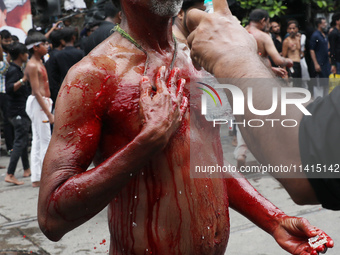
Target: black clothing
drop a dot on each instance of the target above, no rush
(296, 73)
(319, 138)
(16, 99)
(278, 46)
(18, 117)
(334, 41)
(21, 133)
(53, 84)
(8, 130)
(277, 43)
(100, 34)
(58, 66)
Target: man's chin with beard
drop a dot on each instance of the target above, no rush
(166, 8)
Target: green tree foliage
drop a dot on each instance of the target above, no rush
(277, 8)
(324, 5)
(274, 8)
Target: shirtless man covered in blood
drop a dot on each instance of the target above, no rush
(138, 138)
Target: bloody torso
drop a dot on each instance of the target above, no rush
(162, 210)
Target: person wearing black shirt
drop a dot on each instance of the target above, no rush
(62, 61)
(334, 42)
(105, 28)
(275, 31)
(18, 91)
(58, 43)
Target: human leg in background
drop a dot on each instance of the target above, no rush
(8, 129)
(21, 129)
(41, 135)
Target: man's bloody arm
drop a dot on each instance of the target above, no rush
(70, 195)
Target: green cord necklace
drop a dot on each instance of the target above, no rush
(123, 33)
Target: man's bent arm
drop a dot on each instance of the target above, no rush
(285, 48)
(70, 195)
(270, 145)
(274, 54)
(267, 215)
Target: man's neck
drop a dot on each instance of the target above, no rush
(36, 57)
(178, 32)
(69, 44)
(18, 62)
(321, 31)
(152, 33)
(277, 36)
(255, 25)
(110, 19)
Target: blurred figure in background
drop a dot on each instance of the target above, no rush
(179, 27)
(275, 31)
(63, 60)
(18, 92)
(39, 103)
(112, 17)
(319, 54)
(291, 48)
(6, 40)
(334, 41)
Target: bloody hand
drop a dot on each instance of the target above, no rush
(163, 110)
(292, 234)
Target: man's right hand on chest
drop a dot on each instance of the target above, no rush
(162, 111)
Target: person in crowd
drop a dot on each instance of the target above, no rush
(58, 43)
(55, 27)
(105, 29)
(6, 40)
(63, 60)
(39, 103)
(314, 142)
(179, 27)
(319, 46)
(3, 24)
(275, 31)
(15, 38)
(258, 27)
(334, 42)
(18, 91)
(138, 137)
(291, 48)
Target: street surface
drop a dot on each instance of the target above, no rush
(20, 233)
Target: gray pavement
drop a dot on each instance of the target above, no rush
(20, 233)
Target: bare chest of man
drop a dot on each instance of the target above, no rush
(163, 210)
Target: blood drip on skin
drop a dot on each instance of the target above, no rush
(153, 201)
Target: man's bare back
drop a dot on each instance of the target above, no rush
(266, 49)
(260, 37)
(263, 41)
